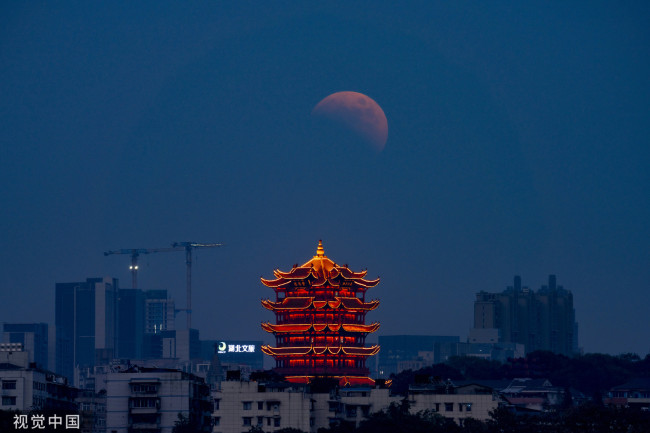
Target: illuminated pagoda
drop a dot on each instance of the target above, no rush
(320, 310)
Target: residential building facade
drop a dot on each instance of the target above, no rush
(151, 400)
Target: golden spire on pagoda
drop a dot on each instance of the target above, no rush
(320, 251)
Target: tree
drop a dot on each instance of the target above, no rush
(7, 420)
(472, 367)
(397, 419)
(185, 425)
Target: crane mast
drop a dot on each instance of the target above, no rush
(189, 246)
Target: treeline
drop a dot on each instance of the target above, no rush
(583, 419)
(592, 374)
(587, 418)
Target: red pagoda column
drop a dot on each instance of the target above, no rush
(320, 313)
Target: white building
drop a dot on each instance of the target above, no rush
(24, 387)
(240, 405)
(456, 402)
(150, 399)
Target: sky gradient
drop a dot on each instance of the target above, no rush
(518, 144)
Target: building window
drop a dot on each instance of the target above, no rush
(460, 407)
(260, 405)
(276, 422)
(248, 405)
(260, 421)
(216, 420)
(8, 400)
(144, 402)
(216, 403)
(437, 407)
(449, 407)
(247, 420)
(8, 384)
(468, 407)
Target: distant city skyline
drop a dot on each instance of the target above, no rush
(517, 144)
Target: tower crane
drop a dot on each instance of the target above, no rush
(188, 247)
(176, 246)
(135, 253)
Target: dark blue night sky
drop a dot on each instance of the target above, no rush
(518, 143)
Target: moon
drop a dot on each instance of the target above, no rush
(357, 112)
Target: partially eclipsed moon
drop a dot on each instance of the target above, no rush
(357, 112)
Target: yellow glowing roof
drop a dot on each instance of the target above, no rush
(321, 270)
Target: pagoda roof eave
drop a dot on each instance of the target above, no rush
(306, 327)
(275, 283)
(304, 302)
(319, 281)
(319, 350)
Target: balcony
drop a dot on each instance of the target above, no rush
(148, 426)
(144, 405)
(142, 410)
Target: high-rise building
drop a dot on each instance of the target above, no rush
(159, 312)
(85, 320)
(320, 310)
(130, 323)
(542, 320)
(34, 340)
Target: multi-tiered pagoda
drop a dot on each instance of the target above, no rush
(320, 310)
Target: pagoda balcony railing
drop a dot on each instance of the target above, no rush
(310, 319)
